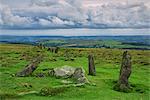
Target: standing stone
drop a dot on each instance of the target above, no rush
(49, 49)
(56, 49)
(44, 47)
(91, 65)
(29, 68)
(52, 49)
(125, 71)
(40, 46)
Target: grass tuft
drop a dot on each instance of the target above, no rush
(50, 91)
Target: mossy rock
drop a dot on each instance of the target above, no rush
(49, 91)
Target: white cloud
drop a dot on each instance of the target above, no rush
(44, 22)
(75, 13)
(8, 19)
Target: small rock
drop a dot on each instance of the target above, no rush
(40, 75)
(51, 72)
(26, 85)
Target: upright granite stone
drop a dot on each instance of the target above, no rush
(40, 46)
(91, 65)
(29, 68)
(49, 49)
(56, 49)
(53, 49)
(125, 71)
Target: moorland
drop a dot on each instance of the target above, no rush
(74, 52)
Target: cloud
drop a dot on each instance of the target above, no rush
(9, 19)
(75, 14)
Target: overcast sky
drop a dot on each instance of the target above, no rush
(48, 14)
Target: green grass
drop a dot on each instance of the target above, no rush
(107, 61)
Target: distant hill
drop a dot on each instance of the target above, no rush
(124, 42)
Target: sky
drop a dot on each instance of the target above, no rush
(76, 32)
(55, 14)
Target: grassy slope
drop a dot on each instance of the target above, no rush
(15, 57)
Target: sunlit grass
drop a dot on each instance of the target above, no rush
(107, 61)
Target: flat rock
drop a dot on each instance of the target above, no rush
(76, 73)
(64, 72)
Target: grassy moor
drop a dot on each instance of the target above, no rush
(40, 86)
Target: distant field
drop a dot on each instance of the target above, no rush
(15, 57)
(121, 42)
